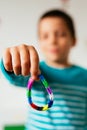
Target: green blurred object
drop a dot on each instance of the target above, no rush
(14, 127)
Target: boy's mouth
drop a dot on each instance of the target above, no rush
(54, 50)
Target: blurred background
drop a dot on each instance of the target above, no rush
(18, 24)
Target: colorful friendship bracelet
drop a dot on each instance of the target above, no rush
(49, 91)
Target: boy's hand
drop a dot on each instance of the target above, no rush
(22, 59)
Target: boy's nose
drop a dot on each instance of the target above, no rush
(53, 39)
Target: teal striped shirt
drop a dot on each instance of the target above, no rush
(69, 110)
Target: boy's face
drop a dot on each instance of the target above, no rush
(55, 39)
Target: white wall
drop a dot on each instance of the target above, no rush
(18, 25)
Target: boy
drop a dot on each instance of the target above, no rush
(56, 35)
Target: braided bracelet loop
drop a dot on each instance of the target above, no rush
(48, 89)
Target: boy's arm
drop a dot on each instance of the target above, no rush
(12, 78)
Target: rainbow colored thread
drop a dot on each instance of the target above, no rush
(49, 91)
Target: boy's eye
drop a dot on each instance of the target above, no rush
(45, 36)
(61, 34)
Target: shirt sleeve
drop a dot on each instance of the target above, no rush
(19, 80)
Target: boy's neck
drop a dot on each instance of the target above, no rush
(57, 64)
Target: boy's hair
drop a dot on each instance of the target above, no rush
(64, 16)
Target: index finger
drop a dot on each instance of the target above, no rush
(34, 62)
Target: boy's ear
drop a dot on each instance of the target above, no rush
(74, 42)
